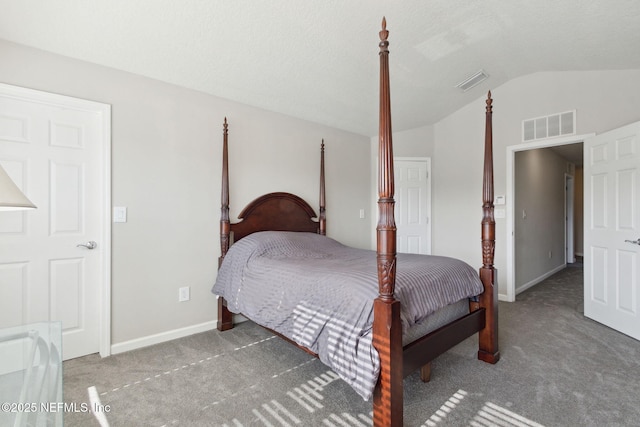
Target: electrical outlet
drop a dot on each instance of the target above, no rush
(183, 294)
(550, 254)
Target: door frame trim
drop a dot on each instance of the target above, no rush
(104, 112)
(510, 296)
(569, 218)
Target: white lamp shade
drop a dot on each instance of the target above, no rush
(11, 198)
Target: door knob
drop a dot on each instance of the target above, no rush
(89, 245)
(635, 242)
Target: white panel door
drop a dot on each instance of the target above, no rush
(413, 205)
(612, 229)
(54, 152)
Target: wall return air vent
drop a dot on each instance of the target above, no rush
(560, 124)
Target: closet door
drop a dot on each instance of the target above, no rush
(413, 205)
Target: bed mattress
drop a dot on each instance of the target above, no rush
(319, 293)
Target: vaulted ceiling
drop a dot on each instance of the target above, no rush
(319, 60)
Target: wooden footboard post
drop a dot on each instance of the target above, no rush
(488, 346)
(387, 329)
(225, 317)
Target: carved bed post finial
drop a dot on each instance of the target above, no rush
(323, 216)
(384, 34)
(224, 211)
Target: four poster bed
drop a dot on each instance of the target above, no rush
(374, 317)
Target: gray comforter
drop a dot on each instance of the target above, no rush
(319, 293)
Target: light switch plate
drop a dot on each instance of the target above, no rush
(119, 214)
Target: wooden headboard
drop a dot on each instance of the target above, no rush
(278, 211)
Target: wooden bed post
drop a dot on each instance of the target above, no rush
(224, 195)
(225, 317)
(488, 346)
(387, 329)
(323, 216)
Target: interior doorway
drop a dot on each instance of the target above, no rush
(563, 146)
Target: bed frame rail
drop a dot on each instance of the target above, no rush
(442, 339)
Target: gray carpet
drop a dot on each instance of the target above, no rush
(557, 369)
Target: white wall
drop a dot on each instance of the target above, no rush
(603, 100)
(166, 168)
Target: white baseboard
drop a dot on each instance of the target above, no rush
(540, 279)
(503, 297)
(163, 337)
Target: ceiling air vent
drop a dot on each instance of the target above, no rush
(472, 80)
(549, 126)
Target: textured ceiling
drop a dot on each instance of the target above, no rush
(317, 60)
